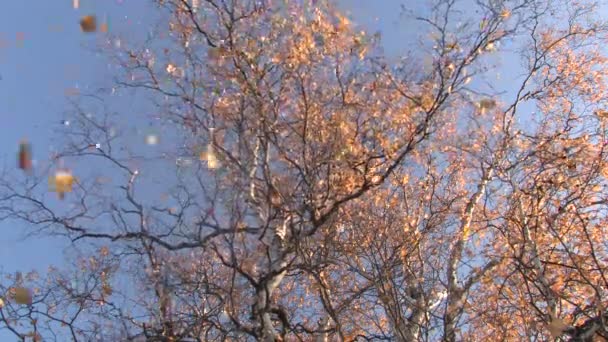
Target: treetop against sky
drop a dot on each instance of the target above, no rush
(245, 170)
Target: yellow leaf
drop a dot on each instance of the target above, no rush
(212, 161)
(61, 182)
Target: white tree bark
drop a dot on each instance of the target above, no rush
(455, 292)
(324, 324)
(278, 263)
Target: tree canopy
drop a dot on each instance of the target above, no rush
(306, 187)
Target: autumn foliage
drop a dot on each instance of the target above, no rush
(334, 194)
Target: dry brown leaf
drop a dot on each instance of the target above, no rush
(88, 23)
(23, 296)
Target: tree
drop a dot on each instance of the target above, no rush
(339, 196)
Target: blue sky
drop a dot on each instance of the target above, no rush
(51, 57)
(36, 71)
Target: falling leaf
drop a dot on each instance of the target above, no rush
(61, 182)
(170, 68)
(22, 296)
(76, 4)
(88, 23)
(25, 156)
(175, 71)
(212, 162)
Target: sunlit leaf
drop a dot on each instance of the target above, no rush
(22, 296)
